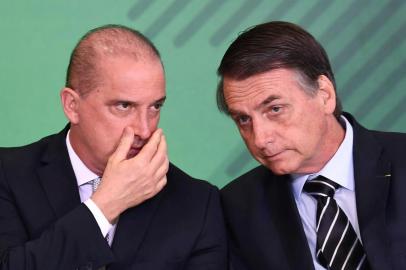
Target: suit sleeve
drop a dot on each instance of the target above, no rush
(73, 241)
(210, 252)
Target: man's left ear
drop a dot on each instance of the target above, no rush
(327, 94)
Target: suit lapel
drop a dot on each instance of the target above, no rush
(287, 220)
(57, 177)
(131, 229)
(372, 179)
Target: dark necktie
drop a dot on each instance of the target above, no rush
(338, 246)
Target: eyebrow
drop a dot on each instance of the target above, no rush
(161, 100)
(264, 103)
(134, 103)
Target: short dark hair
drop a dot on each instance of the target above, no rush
(274, 45)
(109, 40)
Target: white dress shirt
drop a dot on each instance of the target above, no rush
(83, 176)
(340, 169)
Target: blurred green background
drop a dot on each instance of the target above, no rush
(366, 42)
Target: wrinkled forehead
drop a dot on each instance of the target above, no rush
(241, 91)
(256, 86)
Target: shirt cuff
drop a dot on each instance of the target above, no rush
(101, 220)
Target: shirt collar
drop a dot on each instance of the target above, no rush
(339, 168)
(83, 174)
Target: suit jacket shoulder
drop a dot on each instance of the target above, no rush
(393, 142)
(245, 189)
(380, 188)
(23, 161)
(184, 181)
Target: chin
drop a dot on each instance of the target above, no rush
(279, 169)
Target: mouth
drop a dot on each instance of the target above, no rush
(273, 156)
(134, 151)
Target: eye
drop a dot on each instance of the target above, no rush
(242, 120)
(123, 106)
(276, 109)
(157, 106)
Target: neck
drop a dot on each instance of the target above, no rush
(81, 151)
(335, 134)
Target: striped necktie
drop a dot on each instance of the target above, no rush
(338, 246)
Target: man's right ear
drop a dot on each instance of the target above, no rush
(70, 103)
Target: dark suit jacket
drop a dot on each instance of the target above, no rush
(43, 225)
(264, 224)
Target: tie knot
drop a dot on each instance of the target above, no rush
(320, 186)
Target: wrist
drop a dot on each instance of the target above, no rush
(109, 209)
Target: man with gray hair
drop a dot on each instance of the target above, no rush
(102, 192)
(329, 194)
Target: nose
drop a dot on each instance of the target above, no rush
(263, 133)
(143, 126)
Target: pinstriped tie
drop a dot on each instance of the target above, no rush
(338, 246)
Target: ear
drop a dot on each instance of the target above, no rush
(70, 104)
(327, 94)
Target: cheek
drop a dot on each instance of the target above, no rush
(111, 132)
(308, 141)
(154, 122)
(113, 128)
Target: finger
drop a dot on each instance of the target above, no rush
(160, 185)
(157, 188)
(162, 170)
(124, 144)
(150, 148)
(160, 156)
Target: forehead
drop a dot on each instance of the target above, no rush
(278, 84)
(126, 77)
